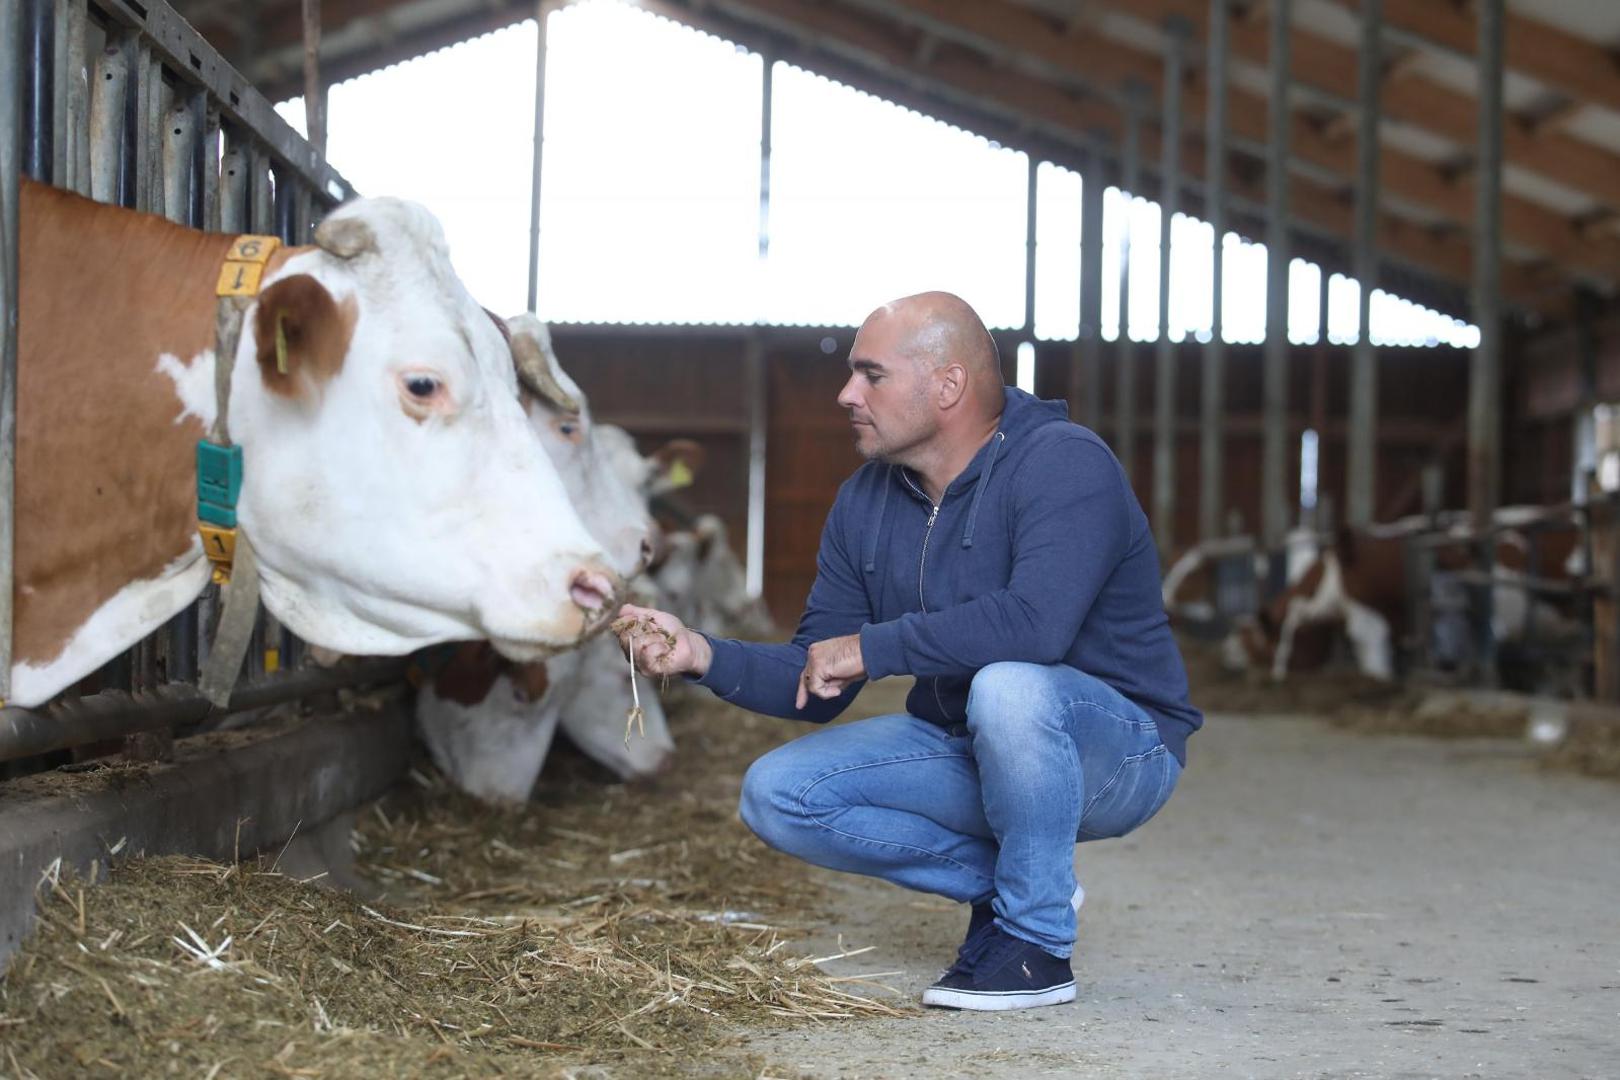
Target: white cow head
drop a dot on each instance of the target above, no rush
(702, 582)
(394, 492)
(600, 467)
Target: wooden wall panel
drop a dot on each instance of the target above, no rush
(692, 381)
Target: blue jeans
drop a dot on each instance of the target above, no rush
(1049, 756)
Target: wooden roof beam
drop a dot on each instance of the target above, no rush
(997, 27)
(1043, 103)
(1572, 65)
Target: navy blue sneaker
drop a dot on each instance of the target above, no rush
(995, 971)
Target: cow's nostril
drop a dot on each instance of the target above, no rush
(591, 589)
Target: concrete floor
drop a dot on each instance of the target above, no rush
(1311, 903)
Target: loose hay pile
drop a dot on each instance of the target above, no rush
(632, 928)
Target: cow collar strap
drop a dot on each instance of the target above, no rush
(219, 473)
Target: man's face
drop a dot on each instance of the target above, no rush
(889, 394)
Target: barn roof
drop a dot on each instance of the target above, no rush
(1052, 77)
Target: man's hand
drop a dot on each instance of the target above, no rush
(661, 643)
(830, 667)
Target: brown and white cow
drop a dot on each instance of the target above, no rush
(1360, 588)
(382, 445)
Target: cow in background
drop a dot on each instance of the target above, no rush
(377, 410)
(490, 726)
(1360, 589)
(701, 581)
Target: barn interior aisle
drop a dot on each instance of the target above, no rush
(362, 361)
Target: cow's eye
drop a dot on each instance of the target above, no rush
(421, 386)
(567, 429)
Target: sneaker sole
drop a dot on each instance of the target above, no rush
(981, 1001)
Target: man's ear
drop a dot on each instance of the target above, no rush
(302, 334)
(952, 384)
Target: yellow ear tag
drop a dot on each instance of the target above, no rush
(281, 343)
(680, 474)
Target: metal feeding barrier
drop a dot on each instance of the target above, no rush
(123, 102)
(1453, 610)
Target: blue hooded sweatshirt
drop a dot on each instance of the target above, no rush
(1037, 552)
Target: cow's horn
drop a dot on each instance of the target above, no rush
(345, 237)
(536, 374)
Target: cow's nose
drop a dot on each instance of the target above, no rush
(593, 587)
(646, 552)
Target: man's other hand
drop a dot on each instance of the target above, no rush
(829, 668)
(661, 643)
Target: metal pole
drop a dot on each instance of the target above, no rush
(314, 89)
(1030, 192)
(1484, 389)
(1485, 383)
(74, 91)
(1164, 381)
(1362, 481)
(1212, 433)
(1088, 348)
(1274, 462)
(39, 91)
(1125, 373)
(109, 113)
(754, 359)
(541, 10)
(12, 67)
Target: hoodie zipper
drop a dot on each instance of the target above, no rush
(928, 531)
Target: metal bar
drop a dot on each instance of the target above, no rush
(39, 90)
(261, 192)
(75, 29)
(1031, 201)
(1362, 481)
(758, 422)
(1125, 363)
(109, 112)
(191, 59)
(1484, 388)
(542, 10)
(286, 209)
(140, 136)
(1485, 382)
(179, 154)
(754, 352)
(1274, 501)
(767, 97)
(1179, 31)
(60, 78)
(314, 89)
(234, 185)
(1212, 433)
(1089, 345)
(114, 714)
(12, 67)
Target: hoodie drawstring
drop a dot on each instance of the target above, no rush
(978, 491)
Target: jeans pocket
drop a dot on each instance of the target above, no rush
(1137, 791)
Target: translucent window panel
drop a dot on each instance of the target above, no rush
(396, 132)
(871, 201)
(1243, 292)
(1192, 262)
(1304, 302)
(1058, 192)
(650, 188)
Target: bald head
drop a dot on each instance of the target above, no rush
(939, 328)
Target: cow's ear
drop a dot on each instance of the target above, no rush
(302, 334)
(470, 673)
(676, 464)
